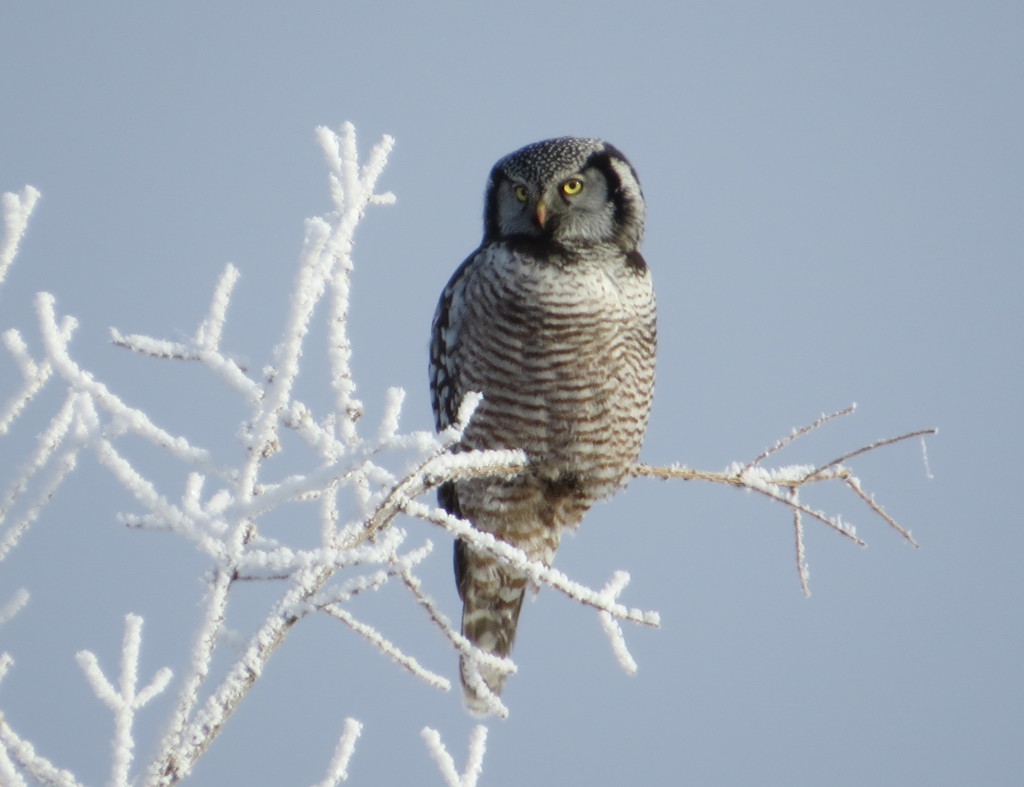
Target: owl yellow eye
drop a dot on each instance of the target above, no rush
(521, 193)
(572, 186)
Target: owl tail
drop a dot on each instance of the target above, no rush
(492, 596)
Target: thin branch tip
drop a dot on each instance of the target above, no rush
(782, 484)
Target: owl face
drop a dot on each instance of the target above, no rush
(568, 190)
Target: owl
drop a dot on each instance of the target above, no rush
(552, 319)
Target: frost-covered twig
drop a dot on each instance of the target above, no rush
(605, 601)
(474, 757)
(11, 608)
(205, 344)
(796, 434)
(537, 571)
(49, 441)
(347, 178)
(611, 626)
(475, 657)
(22, 753)
(34, 375)
(124, 417)
(435, 471)
(782, 484)
(169, 763)
(337, 770)
(127, 698)
(802, 569)
(388, 648)
(8, 775)
(16, 211)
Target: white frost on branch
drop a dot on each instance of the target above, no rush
(611, 626)
(8, 772)
(15, 750)
(538, 572)
(34, 375)
(59, 434)
(16, 211)
(337, 769)
(12, 607)
(924, 458)
(126, 698)
(474, 758)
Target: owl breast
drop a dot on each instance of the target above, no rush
(562, 347)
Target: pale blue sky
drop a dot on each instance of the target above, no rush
(836, 214)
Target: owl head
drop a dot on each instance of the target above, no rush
(572, 191)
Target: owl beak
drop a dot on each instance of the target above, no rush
(542, 213)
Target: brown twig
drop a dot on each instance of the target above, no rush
(783, 484)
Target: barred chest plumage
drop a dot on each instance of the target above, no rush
(561, 344)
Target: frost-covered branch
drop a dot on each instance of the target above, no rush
(337, 769)
(34, 375)
(388, 648)
(126, 698)
(16, 211)
(47, 463)
(15, 750)
(782, 484)
(537, 571)
(12, 607)
(611, 626)
(474, 758)
(8, 772)
(221, 505)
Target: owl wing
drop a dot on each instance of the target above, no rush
(445, 387)
(445, 390)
